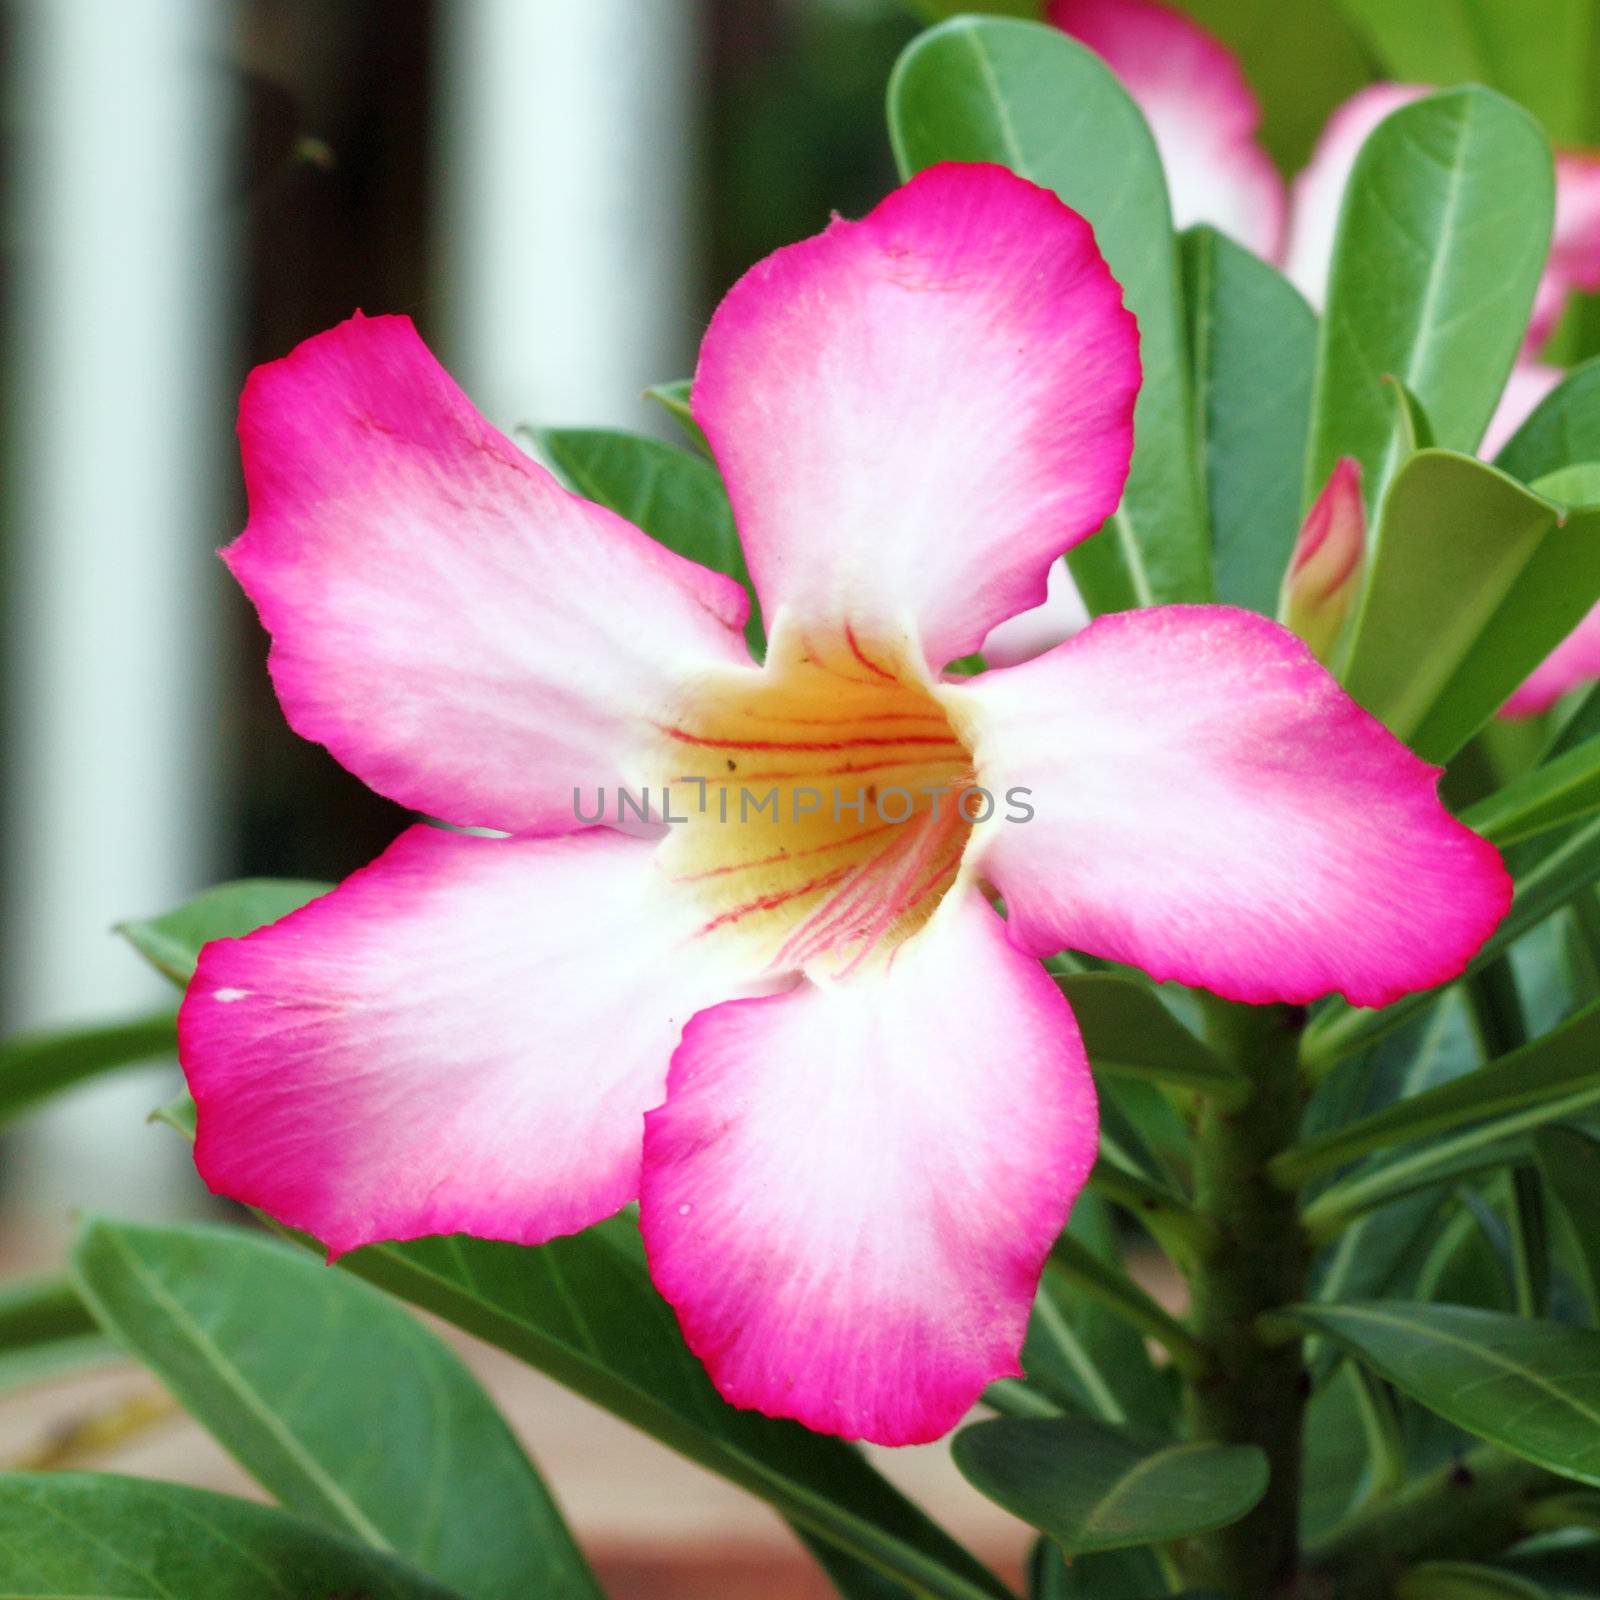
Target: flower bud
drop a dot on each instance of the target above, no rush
(1324, 573)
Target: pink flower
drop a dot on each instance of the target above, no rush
(1204, 117)
(852, 1106)
(1325, 570)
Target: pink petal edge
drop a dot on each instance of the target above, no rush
(463, 1037)
(918, 412)
(1212, 807)
(445, 617)
(851, 1189)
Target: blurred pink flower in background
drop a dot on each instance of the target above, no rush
(1205, 119)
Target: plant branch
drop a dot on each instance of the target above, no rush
(1255, 1392)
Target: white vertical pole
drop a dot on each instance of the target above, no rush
(120, 210)
(567, 196)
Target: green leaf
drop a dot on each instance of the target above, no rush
(1038, 102)
(853, 1579)
(1091, 1488)
(1127, 1030)
(1581, 723)
(1548, 1070)
(1465, 1580)
(623, 1351)
(1537, 51)
(1412, 426)
(1533, 1388)
(939, 10)
(675, 496)
(673, 398)
(1441, 242)
(171, 942)
(93, 1536)
(1563, 430)
(1253, 343)
(1567, 867)
(1579, 1509)
(1564, 789)
(1570, 1163)
(337, 1401)
(583, 1310)
(1474, 581)
(45, 1329)
(1110, 1285)
(34, 1066)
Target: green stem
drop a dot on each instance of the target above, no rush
(1256, 1391)
(1470, 1510)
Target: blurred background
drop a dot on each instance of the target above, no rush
(557, 191)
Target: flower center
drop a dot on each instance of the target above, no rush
(828, 799)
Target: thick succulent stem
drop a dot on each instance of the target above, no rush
(1255, 1391)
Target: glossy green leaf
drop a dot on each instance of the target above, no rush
(44, 1330)
(1474, 581)
(852, 1579)
(1465, 1580)
(171, 942)
(1564, 789)
(1112, 1575)
(1563, 430)
(93, 1536)
(1569, 865)
(1441, 242)
(673, 398)
(1253, 344)
(677, 497)
(1414, 429)
(1127, 1030)
(1577, 726)
(583, 1310)
(1081, 1354)
(1533, 1388)
(1570, 1163)
(1551, 1069)
(1091, 1488)
(1536, 51)
(335, 1399)
(35, 1066)
(1038, 102)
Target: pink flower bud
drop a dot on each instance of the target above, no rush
(1324, 573)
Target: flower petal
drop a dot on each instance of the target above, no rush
(1574, 263)
(916, 413)
(1031, 633)
(851, 1189)
(1212, 807)
(463, 634)
(1529, 383)
(1200, 108)
(1318, 192)
(463, 1037)
(1573, 662)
